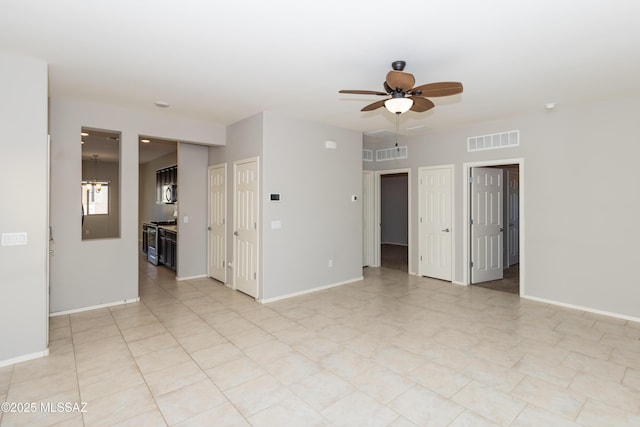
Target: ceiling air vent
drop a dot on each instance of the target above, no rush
(493, 141)
(367, 155)
(392, 153)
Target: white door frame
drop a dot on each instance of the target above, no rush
(508, 218)
(466, 209)
(378, 215)
(368, 220)
(225, 198)
(452, 169)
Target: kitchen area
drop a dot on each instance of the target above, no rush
(158, 202)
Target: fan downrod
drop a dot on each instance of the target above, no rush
(398, 65)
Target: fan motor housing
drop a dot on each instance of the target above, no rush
(398, 65)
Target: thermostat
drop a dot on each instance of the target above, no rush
(274, 197)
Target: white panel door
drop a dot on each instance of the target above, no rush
(368, 218)
(513, 219)
(487, 224)
(245, 212)
(435, 222)
(217, 240)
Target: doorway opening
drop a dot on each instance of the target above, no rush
(492, 235)
(157, 206)
(393, 234)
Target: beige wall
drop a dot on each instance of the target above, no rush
(24, 187)
(103, 271)
(581, 198)
(319, 220)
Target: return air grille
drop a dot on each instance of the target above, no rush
(392, 153)
(494, 141)
(367, 155)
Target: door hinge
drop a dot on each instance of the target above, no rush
(223, 221)
(471, 264)
(420, 220)
(222, 264)
(255, 225)
(255, 276)
(420, 257)
(471, 221)
(470, 180)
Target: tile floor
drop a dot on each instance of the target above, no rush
(392, 350)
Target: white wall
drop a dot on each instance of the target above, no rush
(192, 210)
(581, 198)
(319, 220)
(89, 273)
(23, 185)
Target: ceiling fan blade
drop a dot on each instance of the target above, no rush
(420, 105)
(374, 105)
(437, 89)
(362, 92)
(400, 80)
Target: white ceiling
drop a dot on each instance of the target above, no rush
(225, 61)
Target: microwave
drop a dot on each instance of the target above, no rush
(169, 193)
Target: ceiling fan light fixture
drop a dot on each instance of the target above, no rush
(398, 105)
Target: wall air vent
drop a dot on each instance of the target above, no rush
(392, 153)
(367, 155)
(493, 141)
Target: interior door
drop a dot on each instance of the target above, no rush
(486, 224)
(435, 223)
(217, 240)
(513, 220)
(245, 276)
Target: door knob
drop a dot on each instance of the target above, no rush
(446, 230)
(235, 233)
(501, 229)
(209, 228)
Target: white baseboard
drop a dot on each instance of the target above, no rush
(579, 307)
(14, 360)
(181, 279)
(94, 307)
(310, 291)
(457, 282)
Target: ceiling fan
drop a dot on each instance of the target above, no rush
(399, 86)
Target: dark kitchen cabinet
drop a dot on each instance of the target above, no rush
(165, 177)
(170, 246)
(167, 248)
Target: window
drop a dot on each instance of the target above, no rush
(95, 198)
